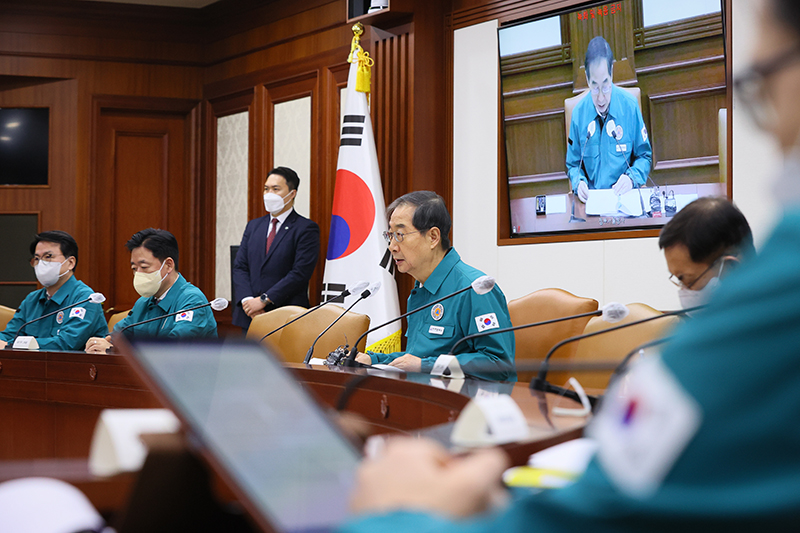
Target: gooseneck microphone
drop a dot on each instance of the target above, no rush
(612, 313)
(217, 304)
(620, 369)
(482, 285)
(366, 294)
(95, 298)
(540, 383)
(360, 286)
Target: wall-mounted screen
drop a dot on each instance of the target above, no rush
(24, 141)
(614, 114)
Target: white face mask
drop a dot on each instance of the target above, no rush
(273, 203)
(147, 283)
(47, 272)
(690, 298)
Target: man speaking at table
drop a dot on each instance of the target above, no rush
(419, 225)
(608, 146)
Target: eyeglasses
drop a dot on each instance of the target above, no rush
(46, 258)
(606, 89)
(750, 85)
(681, 285)
(398, 236)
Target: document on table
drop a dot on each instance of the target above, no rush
(606, 202)
(556, 204)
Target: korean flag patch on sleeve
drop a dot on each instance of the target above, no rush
(186, 315)
(485, 322)
(79, 312)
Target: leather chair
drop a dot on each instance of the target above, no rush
(298, 337)
(270, 321)
(616, 345)
(547, 304)
(116, 317)
(6, 314)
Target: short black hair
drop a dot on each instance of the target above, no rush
(68, 246)
(709, 227)
(160, 242)
(598, 49)
(291, 177)
(429, 212)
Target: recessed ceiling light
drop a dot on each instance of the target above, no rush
(5, 138)
(12, 124)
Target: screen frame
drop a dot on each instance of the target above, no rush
(539, 10)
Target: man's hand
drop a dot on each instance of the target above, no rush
(420, 475)
(253, 307)
(583, 191)
(3, 344)
(408, 363)
(363, 358)
(98, 345)
(623, 185)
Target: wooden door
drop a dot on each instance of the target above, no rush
(143, 179)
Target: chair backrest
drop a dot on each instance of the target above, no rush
(6, 314)
(570, 103)
(270, 321)
(546, 304)
(116, 317)
(614, 346)
(298, 337)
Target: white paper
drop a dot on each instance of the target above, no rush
(571, 457)
(606, 202)
(381, 366)
(682, 200)
(556, 204)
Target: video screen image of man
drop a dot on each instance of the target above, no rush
(608, 146)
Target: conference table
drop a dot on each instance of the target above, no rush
(50, 403)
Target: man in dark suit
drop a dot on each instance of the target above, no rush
(278, 253)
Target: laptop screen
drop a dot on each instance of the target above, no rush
(258, 423)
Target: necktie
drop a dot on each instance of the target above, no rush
(272, 232)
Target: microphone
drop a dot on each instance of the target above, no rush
(540, 383)
(366, 294)
(612, 313)
(620, 369)
(218, 304)
(95, 298)
(482, 285)
(360, 286)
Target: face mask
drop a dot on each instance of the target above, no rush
(47, 272)
(273, 203)
(147, 284)
(690, 298)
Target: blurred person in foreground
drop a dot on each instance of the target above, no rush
(705, 436)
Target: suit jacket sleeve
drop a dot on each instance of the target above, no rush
(305, 259)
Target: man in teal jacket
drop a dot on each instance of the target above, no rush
(163, 290)
(419, 224)
(608, 146)
(55, 257)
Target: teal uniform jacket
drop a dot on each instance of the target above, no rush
(433, 331)
(182, 295)
(63, 331)
(603, 158)
(739, 470)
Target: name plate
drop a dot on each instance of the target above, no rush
(26, 343)
(490, 420)
(447, 366)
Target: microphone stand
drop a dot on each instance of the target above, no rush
(10, 344)
(541, 383)
(311, 350)
(351, 357)
(342, 296)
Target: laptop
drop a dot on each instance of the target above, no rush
(250, 419)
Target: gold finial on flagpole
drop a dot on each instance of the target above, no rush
(358, 31)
